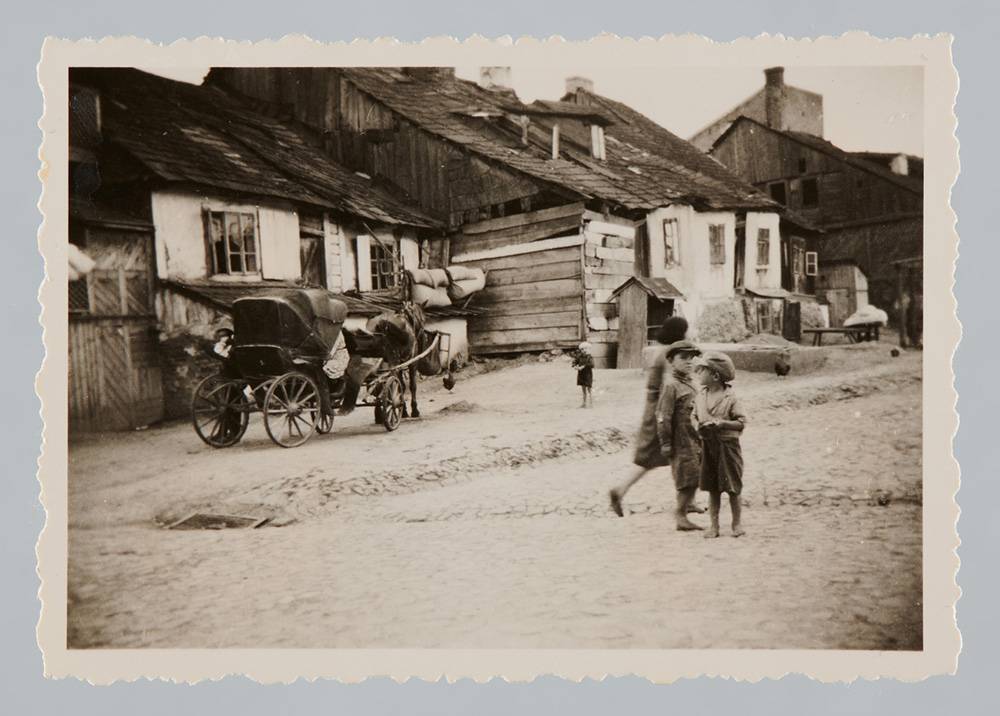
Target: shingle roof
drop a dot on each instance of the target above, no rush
(636, 140)
(440, 105)
(659, 288)
(203, 135)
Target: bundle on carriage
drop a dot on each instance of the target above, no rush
(282, 341)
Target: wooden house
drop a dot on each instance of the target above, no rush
(211, 201)
(644, 303)
(504, 175)
(868, 213)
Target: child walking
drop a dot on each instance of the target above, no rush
(583, 361)
(719, 419)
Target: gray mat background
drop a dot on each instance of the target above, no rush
(974, 25)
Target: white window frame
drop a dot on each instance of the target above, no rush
(812, 263)
(763, 257)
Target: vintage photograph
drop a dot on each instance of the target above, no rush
(495, 357)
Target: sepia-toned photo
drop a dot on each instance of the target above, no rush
(573, 355)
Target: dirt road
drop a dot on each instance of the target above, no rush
(485, 524)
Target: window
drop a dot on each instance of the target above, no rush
(232, 239)
(812, 263)
(717, 244)
(810, 192)
(671, 243)
(777, 192)
(383, 265)
(802, 165)
(763, 248)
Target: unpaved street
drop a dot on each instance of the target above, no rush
(485, 524)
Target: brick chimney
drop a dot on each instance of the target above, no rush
(494, 77)
(774, 96)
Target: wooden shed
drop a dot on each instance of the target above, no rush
(644, 303)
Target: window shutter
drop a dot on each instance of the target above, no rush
(364, 263)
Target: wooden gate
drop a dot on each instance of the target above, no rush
(114, 372)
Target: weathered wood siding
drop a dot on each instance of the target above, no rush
(533, 298)
(609, 261)
(114, 368)
(363, 134)
(519, 228)
(845, 193)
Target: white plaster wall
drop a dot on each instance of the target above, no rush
(754, 276)
(181, 252)
(695, 276)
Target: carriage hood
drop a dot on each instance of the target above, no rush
(305, 321)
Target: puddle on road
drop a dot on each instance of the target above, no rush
(205, 521)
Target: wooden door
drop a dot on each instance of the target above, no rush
(115, 380)
(792, 328)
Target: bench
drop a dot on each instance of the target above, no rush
(855, 334)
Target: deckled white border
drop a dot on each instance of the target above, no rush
(942, 641)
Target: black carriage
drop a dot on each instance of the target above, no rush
(282, 341)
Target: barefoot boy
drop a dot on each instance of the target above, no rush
(679, 441)
(719, 419)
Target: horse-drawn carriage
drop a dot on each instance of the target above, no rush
(282, 341)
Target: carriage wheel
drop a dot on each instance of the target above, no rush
(390, 403)
(220, 411)
(325, 424)
(291, 409)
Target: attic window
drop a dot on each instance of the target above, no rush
(802, 165)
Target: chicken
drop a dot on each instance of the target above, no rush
(449, 381)
(781, 365)
(894, 353)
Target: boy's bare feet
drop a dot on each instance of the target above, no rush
(686, 525)
(712, 533)
(738, 531)
(616, 503)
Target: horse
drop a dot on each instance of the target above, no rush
(406, 337)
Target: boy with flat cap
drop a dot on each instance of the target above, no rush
(679, 441)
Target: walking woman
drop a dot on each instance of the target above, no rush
(648, 451)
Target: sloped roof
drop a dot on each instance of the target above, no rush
(659, 288)
(205, 136)
(636, 140)
(821, 145)
(440, 105)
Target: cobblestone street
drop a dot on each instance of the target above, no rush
(485, 524)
